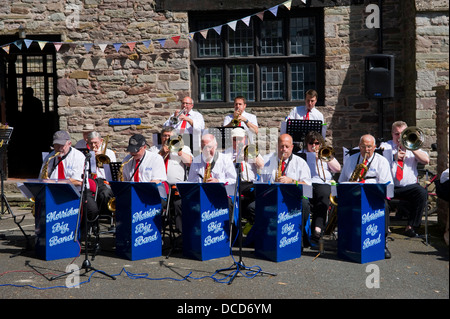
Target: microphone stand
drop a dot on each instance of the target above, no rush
(238, 266)
(86, 265)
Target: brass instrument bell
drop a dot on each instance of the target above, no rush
(102, 159)
(412, 138)
(175, 144)
(326, 153)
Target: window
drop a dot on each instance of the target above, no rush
(273, 61)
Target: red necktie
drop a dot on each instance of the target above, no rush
(183, 125)
(136, 171)
(61, 174)
(283, 167)
(399, 173)
(166, 161)
(307, 115)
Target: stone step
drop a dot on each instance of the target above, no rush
(13, 195)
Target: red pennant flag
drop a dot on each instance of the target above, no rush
(176, 39)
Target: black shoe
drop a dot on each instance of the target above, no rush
(411, 233)
(387, 253)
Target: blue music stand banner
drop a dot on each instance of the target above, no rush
(361, 221)
(138, 220)
(56, 215)
(278, 221)
(205, 220)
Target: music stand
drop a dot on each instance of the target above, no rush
(5, 137)
(298, 129)
(222, 135)
(115, 168)
(238, 266)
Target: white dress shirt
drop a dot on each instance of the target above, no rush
(198, 121)
(299, 113)
(250, 117)
(248, 171)
(378, 169)
(112, 157)
(223, 169)
(73, 165)
(410, 173)
(176, 169)
(296, 168)
(315, 167)
(151, 168)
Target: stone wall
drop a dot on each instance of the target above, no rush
(148, 82)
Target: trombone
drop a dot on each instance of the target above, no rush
(412, 138)
(102, 159)
(324, 154)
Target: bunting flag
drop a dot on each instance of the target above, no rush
(131, 44)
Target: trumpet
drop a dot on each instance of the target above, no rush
(175, 119)
(236, 121)
(412, 138)
(102, 159)
(360, 171)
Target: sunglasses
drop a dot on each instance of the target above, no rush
(314, 143)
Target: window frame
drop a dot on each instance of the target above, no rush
(257, 60)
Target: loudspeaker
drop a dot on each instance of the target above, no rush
(379, 76)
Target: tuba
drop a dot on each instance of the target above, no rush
(412, 138)
(359, 172)
(102, 158)
(44, 173)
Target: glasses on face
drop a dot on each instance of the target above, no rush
(314, 143)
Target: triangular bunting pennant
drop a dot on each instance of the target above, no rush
(57, 46)
(6, 48)
(18, 45)
(131, 45)
(42, 44)
(117, 46)
(103, 46)
(232, 25)
(260, 15)
(147, 43)
(162, 42)
(218, 29)
(88, 46)
(288, 4)
(176, 39)
(204, 33)
(246, 20)
(274, 10)
(304, 1)
(28, 42)
(191, 35)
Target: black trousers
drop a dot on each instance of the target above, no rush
(414, 200)
(319, 205)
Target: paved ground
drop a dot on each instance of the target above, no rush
(416, 271)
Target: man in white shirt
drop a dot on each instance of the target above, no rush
(246, 120)
(176, 160)
(186, 120)
(141, 165)
(403, 165)
(307, 111)
(378, 171)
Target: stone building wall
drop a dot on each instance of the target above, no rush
(148, 82)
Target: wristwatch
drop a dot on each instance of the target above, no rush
(246, 121)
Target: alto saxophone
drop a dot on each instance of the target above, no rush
(279, 170)
(44, 172)
(207, 173)
(360, 171)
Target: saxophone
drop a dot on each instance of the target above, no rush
(360, 171)
(207, 173)
(279, 170)
(44, 172)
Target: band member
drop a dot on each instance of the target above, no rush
(285, 167)
(103, 155)
(240, 117)
(83, 143)
(248, 162)
(321, 173)
(186, 120)
(307, 111)
(141, 165)
(376, 170)
(66, 162)
(211, 166)
(177, 156)
(403, 163)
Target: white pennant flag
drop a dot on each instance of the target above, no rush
(103, 46)
(232, 25)
(246, 20)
